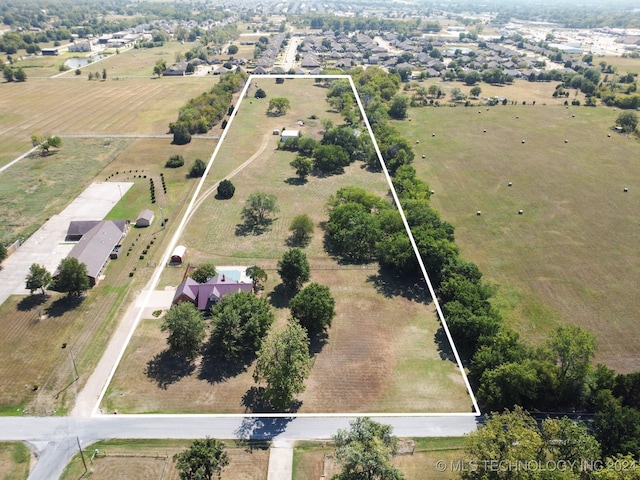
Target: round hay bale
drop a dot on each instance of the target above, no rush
(484, 131)
(424, 156)
(417, 141)
(522, 141)
(517, 116)
(432, 192)
(510, 184)
(573, 116)
(566, 141)
(520, 212)
(479, 111)
(608, 135)
(433, 134)
(626, 189)
(478, 213)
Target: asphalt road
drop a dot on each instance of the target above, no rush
(55, 439)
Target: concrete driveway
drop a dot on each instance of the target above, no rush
(47, 246)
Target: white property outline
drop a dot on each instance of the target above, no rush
(185, 218)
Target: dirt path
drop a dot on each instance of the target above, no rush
(87, 401)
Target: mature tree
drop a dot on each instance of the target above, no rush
(573, 349)
(38, 278)
(365, 451)
(181, 135)
(260, 93)
(258, 277)
(258, 209)
(3, 252)
(20, 75)
(45, 143)
(279, 105)
(159, 68)
(226, 189)
(293, 269)
(240, 321)
(301, 229)
(186, 327)
(303, 166)
(197, 168)
(330, 159)
(628, 121)
(104, 74)
(8, 73)
(204, 272)
(314, 308)
(353, 232)
(72, 277)
(399, 106)
(475, 91)
(615, 426)
(514, 438)
(203, 460)
(283, 364)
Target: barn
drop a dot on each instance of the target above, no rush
(145, 218)
(179, 254)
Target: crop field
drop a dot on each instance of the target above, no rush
(375, 356)
(75, 106)
(571, 257)
(153, 459)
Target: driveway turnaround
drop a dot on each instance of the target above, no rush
(47, 246)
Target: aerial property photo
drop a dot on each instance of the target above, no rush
(291, 241)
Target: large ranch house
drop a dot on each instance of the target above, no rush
(228, 280)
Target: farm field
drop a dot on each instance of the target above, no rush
(571, 257)
(375, 356)
(153, 459)
(75, 106)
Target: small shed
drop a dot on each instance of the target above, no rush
(145, 218)
(289, 134)
(178, 254)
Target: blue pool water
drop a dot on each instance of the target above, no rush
(230, 274)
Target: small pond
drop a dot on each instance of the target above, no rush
(79, 62)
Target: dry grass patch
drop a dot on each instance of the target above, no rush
(313, 460)
(571, 257)
(15, 460)
(153, 459)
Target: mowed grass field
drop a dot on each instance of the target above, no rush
(571, 257)
(75, 106)
(380, 355)
(153, 460)
(15, 459)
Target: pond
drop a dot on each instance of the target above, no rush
(79, 62)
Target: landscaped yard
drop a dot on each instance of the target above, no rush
(571, 257)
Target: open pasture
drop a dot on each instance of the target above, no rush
(381, 344)
(75, 106)
(153, 460)
(571, 257)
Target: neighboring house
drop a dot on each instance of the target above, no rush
(78, 228)
(179, 253)
(80, 46)
(98, 245)
(145, 218)
(176, 70)
(204, 295)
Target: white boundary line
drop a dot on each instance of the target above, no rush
(174, 241)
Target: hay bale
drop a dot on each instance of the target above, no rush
(478, 213)
(626, 189)
(520, 212)
(510, 184)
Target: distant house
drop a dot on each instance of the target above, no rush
(50, 51)
(179, 253)
(204, 295)
(176, 70)
(98, 245)
(145, 218)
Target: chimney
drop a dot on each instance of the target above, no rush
(224, 278)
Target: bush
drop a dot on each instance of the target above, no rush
(181, 135)
(260, 93)
(174, 161)
(226, 189)
(197, 168)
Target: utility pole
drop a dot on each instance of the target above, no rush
(84, 462)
